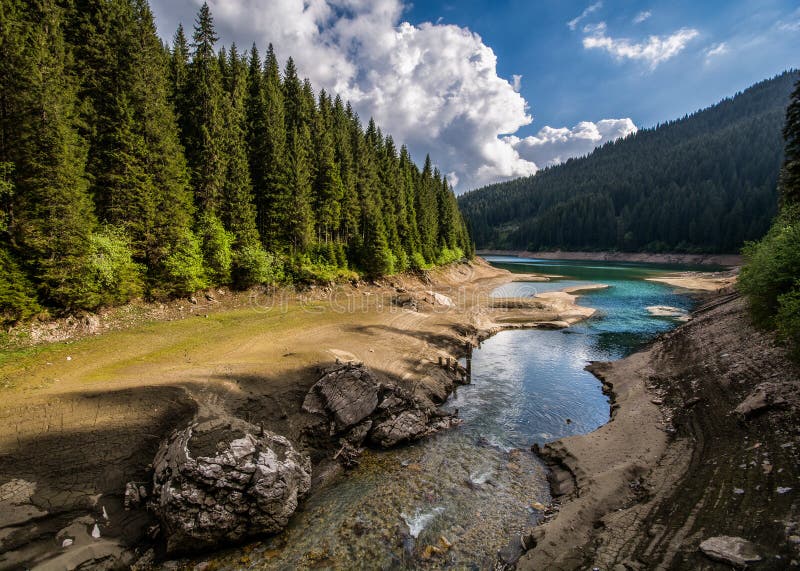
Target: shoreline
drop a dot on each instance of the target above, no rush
(83, 414)
(683, 452)
(725, 260)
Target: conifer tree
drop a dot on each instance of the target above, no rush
(53, 216)
(790, 173)
(205, 129)
(301, 220)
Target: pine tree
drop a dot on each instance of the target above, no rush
(53, 215)
(205, 129)
(790, 174)
(301, 221)
(274, 203)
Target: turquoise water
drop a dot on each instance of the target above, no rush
(475, 486)
(531, 382)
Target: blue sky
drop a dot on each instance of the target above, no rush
(442, 76)
(565, 83)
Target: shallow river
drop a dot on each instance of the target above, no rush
(465, 491)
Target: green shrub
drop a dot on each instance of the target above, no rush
(772, 266)
(253, 265)
(418, 262)
(217, 247)
(111, 274)
(183, 268)
(788, 319)
(448, 255)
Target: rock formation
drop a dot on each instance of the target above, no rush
(359, 408)
(225, 480)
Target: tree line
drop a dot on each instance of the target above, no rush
(702, 183)
(129, 167)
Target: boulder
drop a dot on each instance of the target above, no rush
(735, 551)
(347, 394)
(225, 480)
(360, 408)
(763, 397)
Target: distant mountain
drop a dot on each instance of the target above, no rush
(703, 183)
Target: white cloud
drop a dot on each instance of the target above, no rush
(517, 82)
(551, 146)
(573, 24)
(791, 23)
(716, 50)
(642, 16)
(655, 50)
(434, 87)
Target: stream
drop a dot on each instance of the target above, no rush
(455, 499)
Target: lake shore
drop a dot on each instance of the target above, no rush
(87, 402)
(729, 260)
(702, 443)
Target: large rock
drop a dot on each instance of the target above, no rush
(359, 406)
(763, 397)
(225, 480)
(733, 550)
(348, 394)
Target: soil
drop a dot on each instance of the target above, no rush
(678, 463)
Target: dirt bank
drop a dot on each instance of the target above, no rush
(643, 257)
(700, 281)
(704, 441)
(82, 416)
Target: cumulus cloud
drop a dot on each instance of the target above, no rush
(573, 24)
(642, 16)
(434, 87)
(551, 146)
(653, 51)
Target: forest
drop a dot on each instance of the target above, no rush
(131, 168)
(705, 183)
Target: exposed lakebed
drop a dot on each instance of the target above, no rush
(455, 499)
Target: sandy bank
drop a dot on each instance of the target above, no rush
(642, 257)
(82, 416)
(696, 281)
(703, 442)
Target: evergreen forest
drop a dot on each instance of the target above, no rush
(131, 168)
(705, 183)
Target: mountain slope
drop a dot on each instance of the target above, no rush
(702, 183)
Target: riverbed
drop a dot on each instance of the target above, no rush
(455, 499)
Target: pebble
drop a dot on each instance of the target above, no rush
(782, 490)
(738, 491)
(96, 532)
(68, 542)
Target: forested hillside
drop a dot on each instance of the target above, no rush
(703, 183)
(128, 167)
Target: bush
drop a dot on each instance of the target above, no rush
(448, 255)
(217, 247)
(17, 294)
(111, 273)
(418, 262)
(770, 277)
(253, 265)
(771, 267)
(788, 319)
(183, 268)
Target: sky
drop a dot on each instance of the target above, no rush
(497, 89)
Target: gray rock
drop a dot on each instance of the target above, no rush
(225, 480)
(733, 550)
(765, 396)
(348, 394)
(408, 425)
